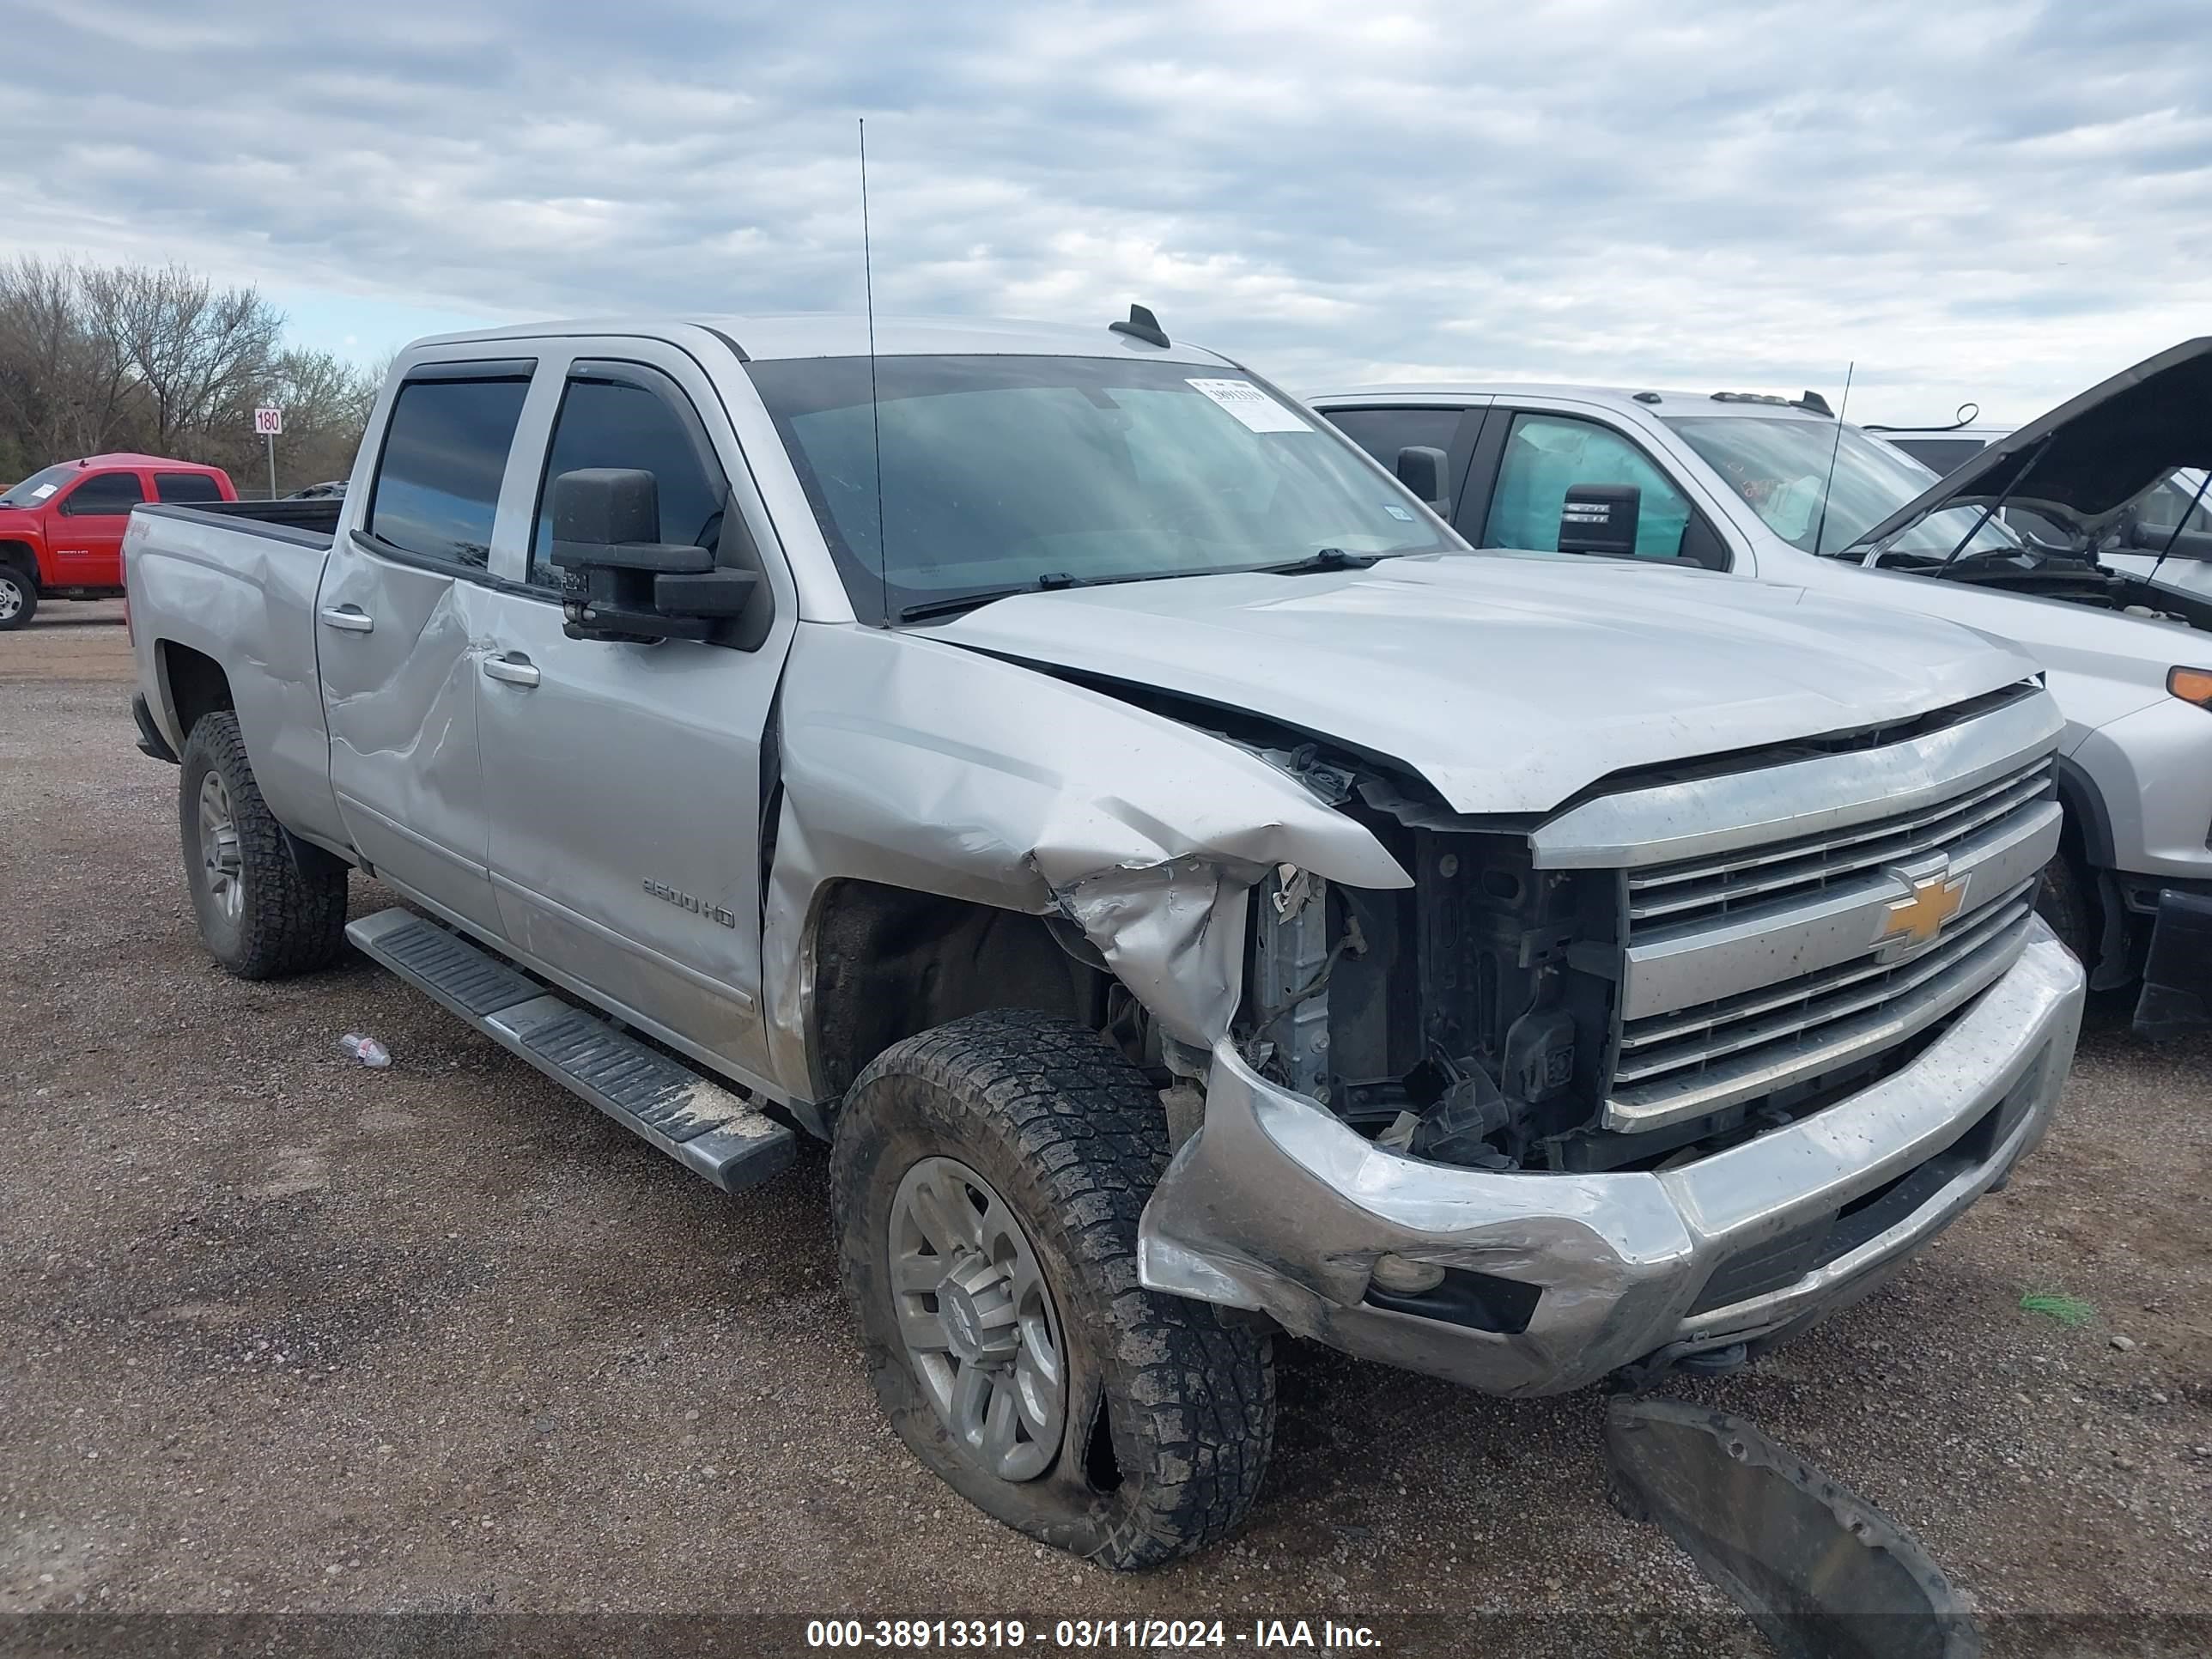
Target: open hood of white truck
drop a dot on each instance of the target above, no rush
(1510, 683)
(2084, 462)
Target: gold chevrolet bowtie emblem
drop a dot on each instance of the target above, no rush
(1936, 899)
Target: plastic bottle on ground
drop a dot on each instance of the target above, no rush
(366, 1049)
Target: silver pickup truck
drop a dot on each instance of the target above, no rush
(1194, 893)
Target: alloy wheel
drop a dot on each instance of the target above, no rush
(219, 848)
(977, 1319)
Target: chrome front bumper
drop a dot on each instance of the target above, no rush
(1276, 1205)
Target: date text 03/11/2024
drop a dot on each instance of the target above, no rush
(1075, 1635)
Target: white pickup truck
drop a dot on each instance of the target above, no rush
(1194, 892)
(1757, 486)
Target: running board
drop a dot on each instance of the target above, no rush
(710, 1129)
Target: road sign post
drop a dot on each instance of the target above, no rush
(269, 421)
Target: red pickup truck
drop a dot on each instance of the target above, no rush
(61, 529)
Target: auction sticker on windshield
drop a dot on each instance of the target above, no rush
(1251, 405)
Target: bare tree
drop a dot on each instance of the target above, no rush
(194, 348)
(99, 358)
(65, 389)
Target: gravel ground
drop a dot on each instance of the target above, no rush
(280, 1333)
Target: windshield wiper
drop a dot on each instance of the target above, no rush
(952, 607)
(1051, 581)
(1328, 558)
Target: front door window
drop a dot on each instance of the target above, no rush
(1547, 455)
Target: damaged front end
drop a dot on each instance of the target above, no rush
(1525, 1099)
(1656, 1081)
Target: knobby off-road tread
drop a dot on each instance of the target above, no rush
(294, 920)
(1201, 1391)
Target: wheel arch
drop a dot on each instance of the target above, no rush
(2086, 814)
(885, 963)
(193, 686)
(2088, 843)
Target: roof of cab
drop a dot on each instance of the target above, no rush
(133, 459)
(826, 334)
(1626, 398)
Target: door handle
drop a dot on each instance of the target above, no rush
(349, 619)
(513, 669)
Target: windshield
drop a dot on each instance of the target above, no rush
(1780, 467)
(40, 486)
(1008, 472)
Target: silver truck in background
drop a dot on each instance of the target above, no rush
(1193, 891)
(1740, 482)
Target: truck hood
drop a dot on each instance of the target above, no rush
(2084, 462)
(1509, 682)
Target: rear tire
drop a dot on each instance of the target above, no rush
(263, 912)
(19, 597)
(1164, 1411)
(2067, 904)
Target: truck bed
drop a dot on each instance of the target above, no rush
(313, 522)
(234, 583)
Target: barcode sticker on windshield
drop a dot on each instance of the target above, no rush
(1250, 405)
(43, 491)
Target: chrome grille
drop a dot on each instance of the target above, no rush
(1700, 1059)
(1773, 965)
(1700, 889)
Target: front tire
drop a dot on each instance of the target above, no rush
(19, 597)
(263, 912)
(1135, 1427)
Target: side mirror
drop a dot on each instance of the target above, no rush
(1421, 470)
(1601, 519)
(620, 583)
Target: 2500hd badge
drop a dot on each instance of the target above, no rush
(684, 901)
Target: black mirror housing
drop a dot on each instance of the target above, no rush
(606, 506)
(619, 583)
(1601, 519)
(1421, 470)
(608, 518)
(712, 594)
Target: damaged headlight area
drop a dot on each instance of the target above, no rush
(1465, 1020)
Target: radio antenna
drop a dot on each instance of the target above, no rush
(875, 408)
(1820, 534)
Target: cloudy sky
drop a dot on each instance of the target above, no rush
(2003, 202)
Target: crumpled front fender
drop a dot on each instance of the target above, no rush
(927, 766)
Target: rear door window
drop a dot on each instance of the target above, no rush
(436, 490)
(1547, 455)
(625, 415)
(186, 489)
(104, 494)
(1383, 432)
